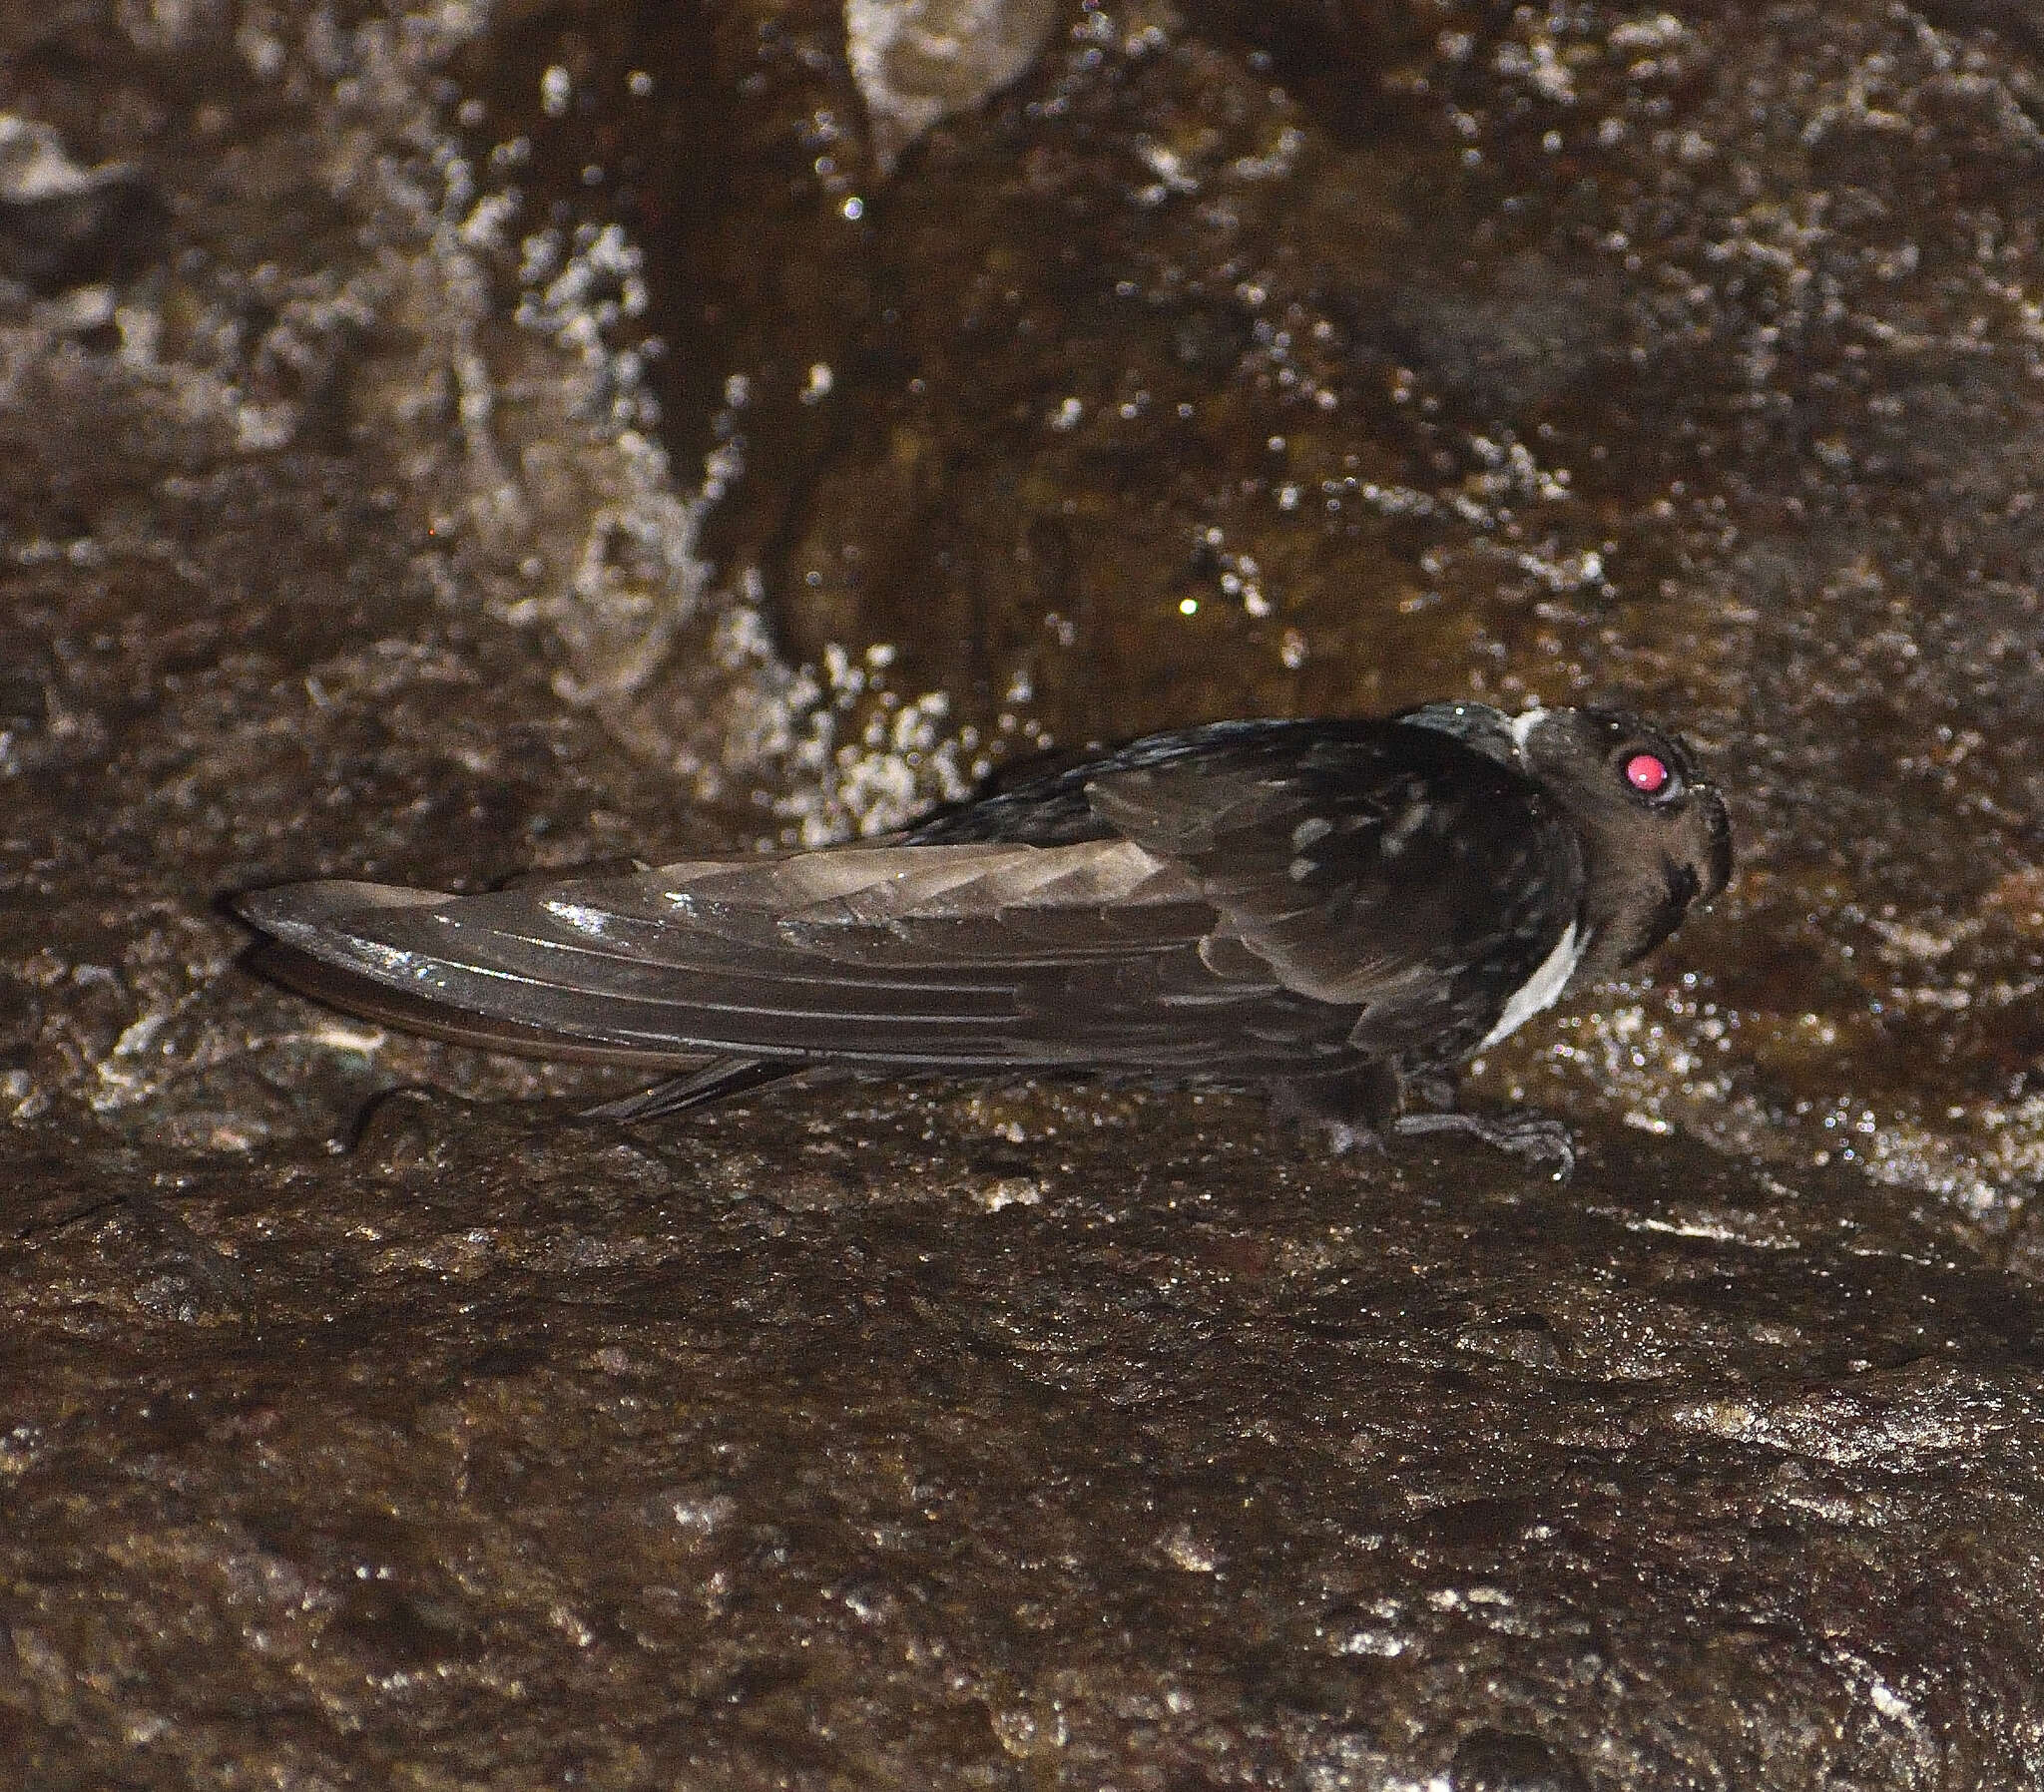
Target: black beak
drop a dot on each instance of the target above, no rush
(1719, 826)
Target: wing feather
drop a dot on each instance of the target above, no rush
(1247, 900)
(1389, 871)
(942, 955)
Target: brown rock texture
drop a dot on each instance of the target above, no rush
(439, 443)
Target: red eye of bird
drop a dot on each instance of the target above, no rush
(1647, 773)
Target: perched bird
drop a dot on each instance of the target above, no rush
(1334, 910)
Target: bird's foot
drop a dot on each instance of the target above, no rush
(1532, 1137)
(1344, 1137)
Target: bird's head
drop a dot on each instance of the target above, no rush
(1654, 835)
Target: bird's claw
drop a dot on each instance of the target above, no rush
(1532, 1137)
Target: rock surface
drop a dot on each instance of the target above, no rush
(443, 443)
(815, 1446)
(919, 61)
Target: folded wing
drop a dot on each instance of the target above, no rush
(918, 955)
(1250, 900)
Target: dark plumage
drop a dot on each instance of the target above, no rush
(1329, 908)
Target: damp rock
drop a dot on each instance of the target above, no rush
(918, 62)
(65, 225)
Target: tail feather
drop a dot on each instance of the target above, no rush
(718, 1081)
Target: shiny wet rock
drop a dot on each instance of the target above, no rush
(369, 1420)
(779, 1446)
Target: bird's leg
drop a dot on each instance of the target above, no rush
(1353, 1104)
(1439, 1089)
(1360, 1107)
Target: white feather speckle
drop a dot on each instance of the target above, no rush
(1521, 727)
